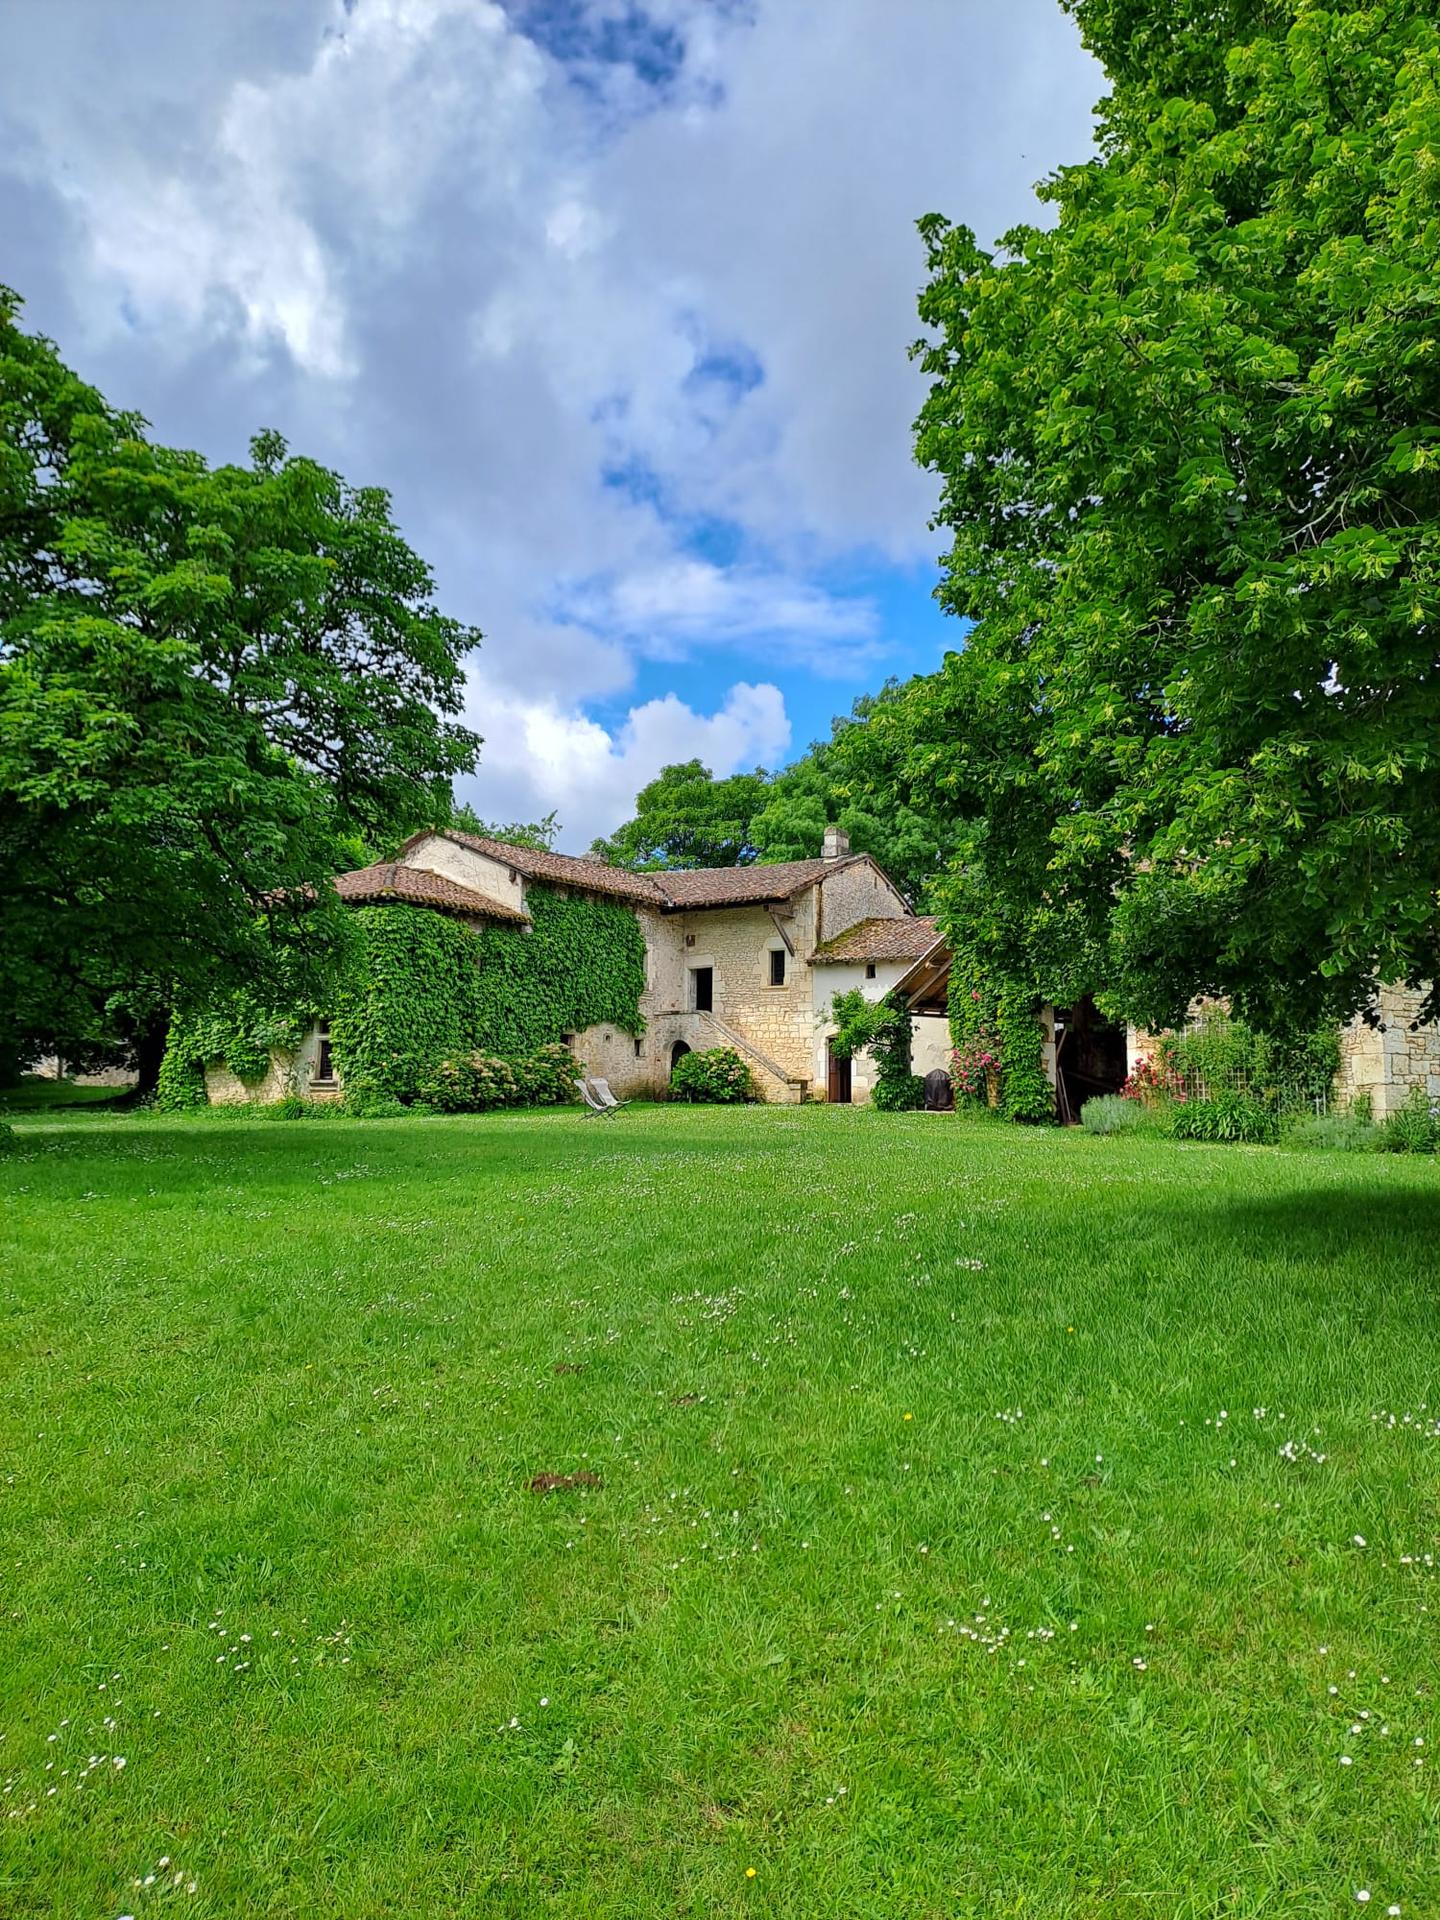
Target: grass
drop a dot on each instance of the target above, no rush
(35, 1094)
(976, 1535)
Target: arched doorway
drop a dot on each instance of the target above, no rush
(677, 1053)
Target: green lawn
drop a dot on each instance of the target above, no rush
(943, 1555)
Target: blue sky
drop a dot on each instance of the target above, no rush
(912, 636)
(614, 296)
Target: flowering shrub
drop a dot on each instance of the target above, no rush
(480, 1082)
(999, 1042)
(973, 1061)
(1153, 1081)
(718, 1077)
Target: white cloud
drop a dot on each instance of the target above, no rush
(574, 282)
(543, 754)
(667, 610)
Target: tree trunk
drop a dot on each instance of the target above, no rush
(149, 1052)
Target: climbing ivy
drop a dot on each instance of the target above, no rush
(418, 987)
(581, 965)
(181, 1081)
(409, 998)
(240, 1031)
(883, 1028)
(1001, 1021)
(1025, 1089)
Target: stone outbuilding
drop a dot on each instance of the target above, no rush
(874, 956)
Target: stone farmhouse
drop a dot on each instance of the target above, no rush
(743, 957)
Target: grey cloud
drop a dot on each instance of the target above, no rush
(487, 269)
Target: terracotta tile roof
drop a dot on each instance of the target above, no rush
(674, 890)
(595, 876)
(905, 937)
(744, 886)
(418, 887)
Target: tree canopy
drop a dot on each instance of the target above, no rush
(855, 780)
(685, 817)
(217, 686)
(1189, 447)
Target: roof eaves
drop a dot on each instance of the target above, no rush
(917, 966)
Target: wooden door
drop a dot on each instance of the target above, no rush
(839, 1088)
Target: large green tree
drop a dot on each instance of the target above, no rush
(857, 779)
(1189, 444)
(685, 817)
(216, 686)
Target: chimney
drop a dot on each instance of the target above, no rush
(836, 845)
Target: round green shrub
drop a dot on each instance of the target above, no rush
(718, 1077)
(898, 1096)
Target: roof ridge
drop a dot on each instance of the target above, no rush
(671, 889)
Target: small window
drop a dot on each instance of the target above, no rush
(777, 966)
(568, 1040)
(324, 1063)
(869, 969)
(639, 1049)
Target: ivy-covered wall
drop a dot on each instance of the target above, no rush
(419, 987)
(1000, 1021)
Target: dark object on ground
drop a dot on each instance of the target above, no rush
(939, 1094)
(564, 1482)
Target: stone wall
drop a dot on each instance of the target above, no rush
(736, 944)
(664, 966)
(851, 894)
(52, 1067)
(634, 1069)
(1392, 1060)
(287, 1073)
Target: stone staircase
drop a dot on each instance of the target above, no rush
(776, 1084)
